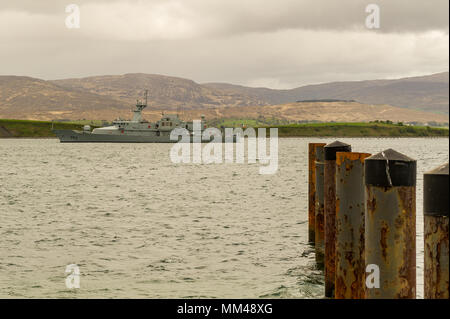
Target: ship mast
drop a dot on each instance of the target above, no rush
(137, 116)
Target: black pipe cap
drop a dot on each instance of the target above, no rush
(390, 168)
(332, 148)
(435, 191)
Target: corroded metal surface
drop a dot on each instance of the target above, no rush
(312, 189)
(319, 209)
(436, 247)
(390, 224)
(330, 226)
(350, 265)
(390, 229)
(330, 212)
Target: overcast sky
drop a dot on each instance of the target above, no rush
(271, 43)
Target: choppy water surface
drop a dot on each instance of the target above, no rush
(140, 226)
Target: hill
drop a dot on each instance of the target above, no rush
(107, 97)
(30, 98)
(343, 111)
(164, 92)
(427, 93)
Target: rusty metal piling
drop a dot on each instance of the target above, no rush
(312, 190)
(319, 207)
(436, 245)
(350, 212)
(390, 224)
(330, 212)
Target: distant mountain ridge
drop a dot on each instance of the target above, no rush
(105, 97)
(164, 91)
(428, 93)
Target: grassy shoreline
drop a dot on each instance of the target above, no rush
(359, 130)
(42, 129)
(33, 129)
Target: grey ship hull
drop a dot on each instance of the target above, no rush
(74, 136)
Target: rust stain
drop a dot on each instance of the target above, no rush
(436, 271)
(337, 202)
(383, 240)
(340, 293)
(350, 156)
(371, 203)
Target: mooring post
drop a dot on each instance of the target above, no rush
(319, 209)
(390, 223)
(436, 249)
(350, 212)
(330, 212)
(312, 190)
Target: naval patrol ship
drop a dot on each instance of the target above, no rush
(135, 131)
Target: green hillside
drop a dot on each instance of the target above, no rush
(360, 130)
(24, 128)
(42, 129)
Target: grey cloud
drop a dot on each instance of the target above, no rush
(280, 44)
(283, 60)
(396, 16)
(44, 6)
(234, 17)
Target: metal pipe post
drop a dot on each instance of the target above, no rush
(330, 212)
(435, 211)
(350, 211)
(312, 190)
(390, 225)
(319, 209)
